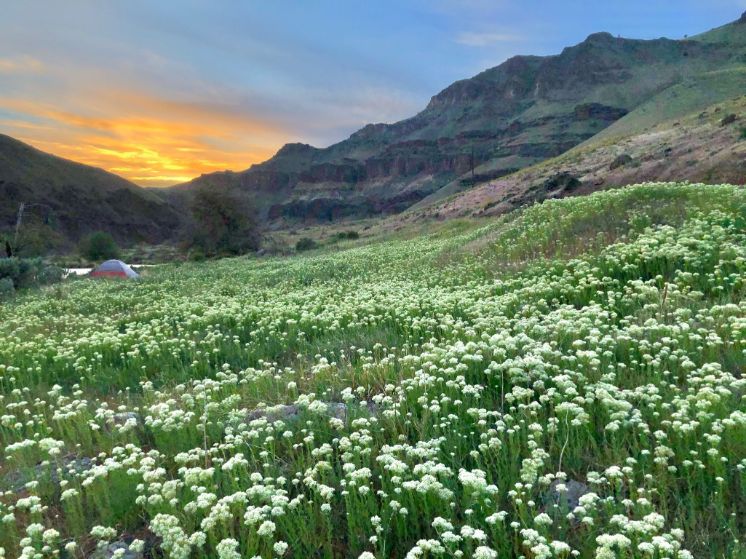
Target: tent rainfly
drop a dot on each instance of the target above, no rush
(114, 269)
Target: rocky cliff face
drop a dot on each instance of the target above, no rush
(703, 145)
(509, 117)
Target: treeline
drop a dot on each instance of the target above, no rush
(216, 222)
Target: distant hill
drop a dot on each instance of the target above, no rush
(524, 111)
(77, 199)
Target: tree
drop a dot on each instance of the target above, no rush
(224, 222)
(99, 246)
(36, 239)
(34, 234)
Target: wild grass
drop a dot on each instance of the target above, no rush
(424, 397)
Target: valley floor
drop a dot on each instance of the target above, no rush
(562, 381)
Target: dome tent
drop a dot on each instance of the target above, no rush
(114, 269)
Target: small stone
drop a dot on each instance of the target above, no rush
(68, 466)
(338, 410)
(123, 417)
(574, 490)
(109, 552)
(274, 413)
(283, 412)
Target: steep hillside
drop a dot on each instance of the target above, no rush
(76, 199)
(707, 145)
(505, 119)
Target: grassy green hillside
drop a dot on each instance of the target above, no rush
(565, 381)
(693, 95)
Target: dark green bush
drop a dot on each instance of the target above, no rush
(99, 246)
(20, 273)
(10, 268)
(6, 288)
(49, 274)
(342, 235)
(728, 119)
(196, 254)
(306, 243)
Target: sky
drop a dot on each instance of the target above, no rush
(162, 91)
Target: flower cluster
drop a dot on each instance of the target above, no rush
(401, 399)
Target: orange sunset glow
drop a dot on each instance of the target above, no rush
(160, 95)
(150, 141)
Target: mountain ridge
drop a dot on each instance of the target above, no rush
(509, 117)
(505, 119)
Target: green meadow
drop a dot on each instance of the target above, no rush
(563, 381)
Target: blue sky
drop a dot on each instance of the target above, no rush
(163, 91)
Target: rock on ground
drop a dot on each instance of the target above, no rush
(574, 490)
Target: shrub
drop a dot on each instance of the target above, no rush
(563, 180)
(224, 222)
(37, 239)
(21, 273)
(729, 119)
(28, 272)
(99, 246)
(6, 288)
(342, 235)
(10, 269)
(197, 255)
(306, 243)
(620, 161)
(49, 274)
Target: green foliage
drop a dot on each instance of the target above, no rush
(742, 134)
(408, 398)
(22, 273)
(224, 222)
(196, 254)
(10, 268)
(99, 246)
(728, 119)
(346, 235)
(305, 243)
(564, 228)
(7, 288)
(35, 239)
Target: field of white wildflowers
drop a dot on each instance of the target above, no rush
(566, 381)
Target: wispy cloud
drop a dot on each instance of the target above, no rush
(20, 64)
(484, 39)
